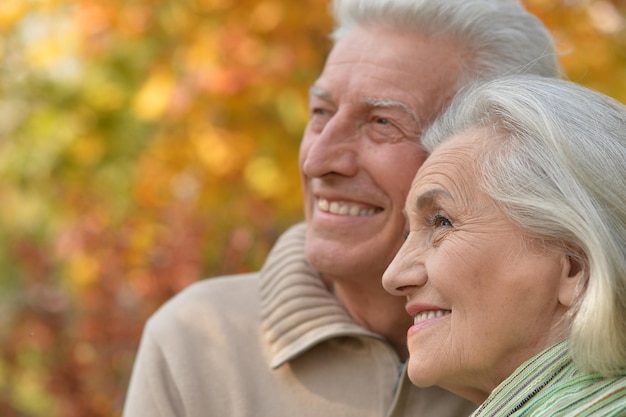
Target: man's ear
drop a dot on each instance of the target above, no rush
(572, 280)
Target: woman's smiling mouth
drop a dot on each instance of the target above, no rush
(429, 315)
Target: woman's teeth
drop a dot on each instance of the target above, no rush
(429, 315)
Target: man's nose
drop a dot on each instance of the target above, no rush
(334, 150)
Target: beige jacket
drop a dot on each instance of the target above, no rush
(271, 344)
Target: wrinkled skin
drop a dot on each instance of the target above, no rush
(359, 154)
(496, 296)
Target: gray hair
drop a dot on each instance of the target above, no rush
(555, 161)
(499, 36)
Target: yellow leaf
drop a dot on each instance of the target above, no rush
(154, 96)
(82, 270)
(264, 177)
(217, 151)
(11, 12)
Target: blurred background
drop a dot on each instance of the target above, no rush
(147, 144)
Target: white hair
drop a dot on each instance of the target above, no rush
(555, 160)
(499, 36)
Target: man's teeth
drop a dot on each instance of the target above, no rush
(344, 209)
(429, 315)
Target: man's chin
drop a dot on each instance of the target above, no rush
(338, 258)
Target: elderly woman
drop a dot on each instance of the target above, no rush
(514, 267)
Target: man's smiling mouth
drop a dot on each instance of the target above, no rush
(342, 208)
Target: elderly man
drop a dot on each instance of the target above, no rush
(314, 333)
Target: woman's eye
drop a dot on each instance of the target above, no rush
(441, 221)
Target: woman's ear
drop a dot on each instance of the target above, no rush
(572, 280)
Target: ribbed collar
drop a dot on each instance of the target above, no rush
(297, 310)
(527, 381)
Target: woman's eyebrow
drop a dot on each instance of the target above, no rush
(429, 197)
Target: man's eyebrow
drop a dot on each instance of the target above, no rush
(378, 102)
(320, 92)
(428, 198)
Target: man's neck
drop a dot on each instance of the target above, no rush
(376, 310)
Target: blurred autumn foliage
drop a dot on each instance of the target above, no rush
(147, 144)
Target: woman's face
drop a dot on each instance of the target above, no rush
(484, 296)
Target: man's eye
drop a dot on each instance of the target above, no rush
(319, 111)
(382, 121)
(385, 130)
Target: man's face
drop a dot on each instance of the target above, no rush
(361, 148)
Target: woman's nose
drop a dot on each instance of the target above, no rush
(406, 272)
